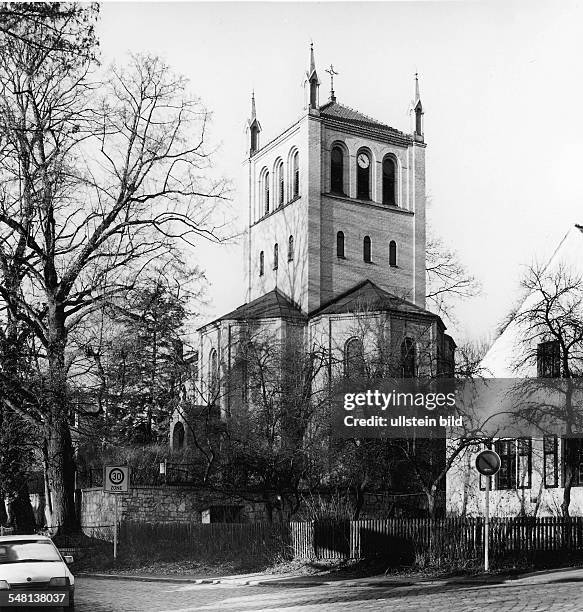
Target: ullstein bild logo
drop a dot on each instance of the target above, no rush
(448, 408)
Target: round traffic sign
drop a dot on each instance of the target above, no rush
(488, 462)
(116, 476)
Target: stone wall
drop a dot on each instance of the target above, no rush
(164, 504)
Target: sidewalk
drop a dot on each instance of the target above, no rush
(294, 580)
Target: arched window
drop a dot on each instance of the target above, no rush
(290, 248)
(275, 256)
(354, 366)
(337, 171)
(366, 250)
(363, 175)
(389, 183)
(340, 245)
(178, 436)
(261, 263)
(279, 183)
(266, 192)
(408, 358)
(296, 174)
(392, 253)
(213, 374)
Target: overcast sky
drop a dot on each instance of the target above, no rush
(501, 86)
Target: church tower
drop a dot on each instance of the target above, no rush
(336, 199)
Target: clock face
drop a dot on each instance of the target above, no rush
(363, 160)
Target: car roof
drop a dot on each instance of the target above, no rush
(24, 537)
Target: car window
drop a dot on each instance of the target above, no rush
(22, 551)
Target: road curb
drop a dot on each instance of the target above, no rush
(179, 580)
(304, 582)
(274, 582)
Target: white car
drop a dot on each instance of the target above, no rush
(32, 570)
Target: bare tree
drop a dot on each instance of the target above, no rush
(259, 428)
(553, 313)
(103, 178)
(448, 279)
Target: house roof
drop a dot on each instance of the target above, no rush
(505, 351)
(272, 305)
(368, 296)
(344, 114)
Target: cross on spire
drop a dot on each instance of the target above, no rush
(332, 74)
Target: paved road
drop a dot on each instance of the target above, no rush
(560, 592)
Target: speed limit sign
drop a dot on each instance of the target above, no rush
(116, 478)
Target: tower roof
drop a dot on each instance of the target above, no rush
(338, 113)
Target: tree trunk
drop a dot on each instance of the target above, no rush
(3, 515)
(61, 460)
(61, 477)
(430, 494)
(21, 511)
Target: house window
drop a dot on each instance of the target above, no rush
(279, 183)
(408, 358)
(506, 476)
(354, 367)
(266, 192)
(363, 176)
(393, 254)
(340, 245)
(389, 182)
(178, 436)
(573, 460)
(296, 174)
(366, 250)
(275, 256)
(337, 171)
(290, 248)
(261, 263)
(524, 464)
(550, 464)
(548, 359)
(213, 374)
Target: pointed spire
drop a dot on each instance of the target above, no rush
(253, 127)
(311, 73)
(417, 109)
(312, 82)
(253, 111)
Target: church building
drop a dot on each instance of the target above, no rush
(334, 250)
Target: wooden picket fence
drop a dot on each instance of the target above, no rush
(398, 538)
(402, 537)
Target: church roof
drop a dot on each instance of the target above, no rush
(272, 305)
(368, 296)
(344, 114)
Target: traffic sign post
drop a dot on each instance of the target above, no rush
(116, 479)
(487, 463)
